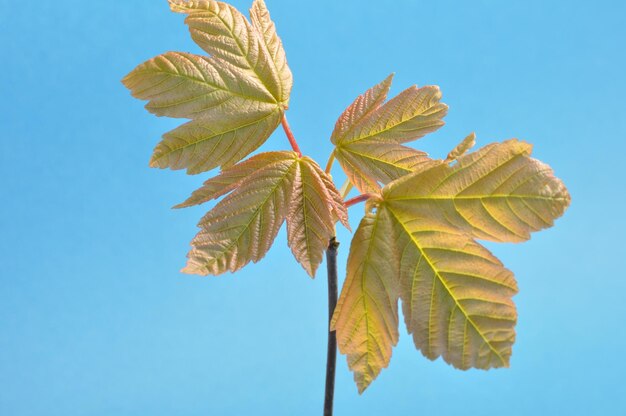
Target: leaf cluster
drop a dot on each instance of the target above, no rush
(417, 244)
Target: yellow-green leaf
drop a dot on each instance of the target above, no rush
(264, 25)
(498, 193)
(368, 135)
(205, 143)
(366, 316)
(242, 227)
(456, 296)
(339, 209)
(185, 85)
(368, 163)
(407, 117)
(312, 215)
(232, 177)
(235, 98)
(360, 109)
(225, 33)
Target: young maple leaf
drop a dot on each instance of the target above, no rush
(235, 98)
(416, 243)
(263, 191)
(368, 135)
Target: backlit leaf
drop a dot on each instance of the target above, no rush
(309, 201)
(369, 134)
(498, 193)
(366, 316)
(232, 177)
(214, 140)
(235, 98)
(360, 109)
(339, 209)
(185, 85)
(456, 296)
(225, 33)
(312, 215)
(368, 163)
(242, 227)
(264, 25)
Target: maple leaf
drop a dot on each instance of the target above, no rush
(314, 209)
(417, 244)
(231, 177)
(242, 227)
(236, 97)
(263, 191)
(369, 134)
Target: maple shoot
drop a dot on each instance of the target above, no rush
(417, 246)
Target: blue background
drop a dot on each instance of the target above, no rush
(95, 318)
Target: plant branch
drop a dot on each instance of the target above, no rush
(357, 199)
(290, 136)
(331, 357)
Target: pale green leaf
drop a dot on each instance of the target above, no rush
(311, 219)
(216, 140)
(225, 33)
(242, 227)
(184, 85)
(232, 177)
(366, 163)
(359, 110)
(264, 25)
(235, 98)
(368, 135)
(456, 296)
(498, 193)
(406, 117)
(366, 316)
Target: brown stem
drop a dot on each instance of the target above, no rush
(290, 136)
(331, 353)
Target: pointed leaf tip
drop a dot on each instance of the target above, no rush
(462, 148)
(370, 132)
(313, 212)
(235, 97)
(242, 227)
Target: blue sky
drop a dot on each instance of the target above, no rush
(95, 318)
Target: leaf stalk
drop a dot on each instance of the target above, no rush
(357, 199)
(329, 164)
(290, 136)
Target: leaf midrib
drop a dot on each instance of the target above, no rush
(443, 283)
(206, 82)
(244, 55)
(253, 216)
(473, 197)
(176, 149)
